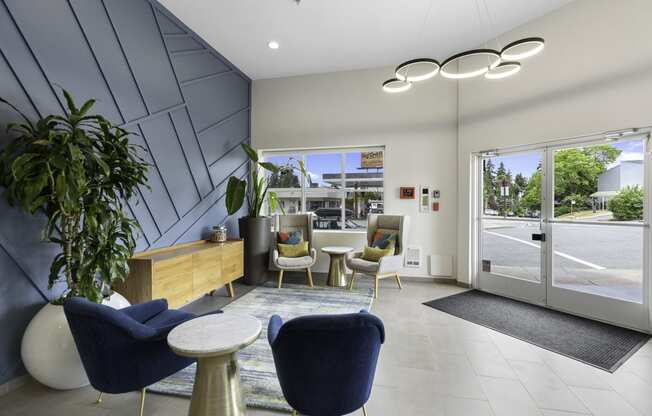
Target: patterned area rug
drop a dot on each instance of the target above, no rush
(259, 382)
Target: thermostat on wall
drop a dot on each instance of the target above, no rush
(413, 256)
(424, 199)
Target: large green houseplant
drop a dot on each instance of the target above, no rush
(78, 169)
(255, 227)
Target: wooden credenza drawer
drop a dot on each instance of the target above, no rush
(184, 272)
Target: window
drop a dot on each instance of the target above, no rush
(341, 184)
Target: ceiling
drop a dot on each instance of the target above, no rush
(320, 36)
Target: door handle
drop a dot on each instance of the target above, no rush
(539, 237)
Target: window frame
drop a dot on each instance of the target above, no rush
(301, 154)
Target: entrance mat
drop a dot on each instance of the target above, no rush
(595, 343)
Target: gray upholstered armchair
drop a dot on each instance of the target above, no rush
(289, 223)
(388, 266)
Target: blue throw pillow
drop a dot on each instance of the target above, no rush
(384, 241)
(293, 238)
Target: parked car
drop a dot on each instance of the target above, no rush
(330, 219)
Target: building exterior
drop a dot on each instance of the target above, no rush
(626, 173)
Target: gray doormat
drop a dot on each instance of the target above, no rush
(595, 343)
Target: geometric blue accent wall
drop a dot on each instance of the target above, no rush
(188, 106)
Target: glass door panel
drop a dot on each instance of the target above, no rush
(508, 249)
(597, 231)
(597, 259)
(510, 232)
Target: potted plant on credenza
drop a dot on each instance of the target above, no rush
(255, 228)
(77, 170)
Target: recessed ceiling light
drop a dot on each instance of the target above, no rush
(272, 44)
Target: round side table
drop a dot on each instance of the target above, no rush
(214, 340)
(337, 271)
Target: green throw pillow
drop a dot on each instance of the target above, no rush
(293, 250)
(374, 254)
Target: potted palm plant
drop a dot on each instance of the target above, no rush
(77, 170)
(255, 228)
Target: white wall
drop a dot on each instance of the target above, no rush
(418, 128)
(595, 75)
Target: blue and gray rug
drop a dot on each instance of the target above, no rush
(259, 382)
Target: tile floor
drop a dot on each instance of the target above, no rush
(432, 364)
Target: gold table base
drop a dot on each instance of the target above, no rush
(337, 271)
(217, 387)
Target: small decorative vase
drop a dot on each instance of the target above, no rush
(219, 234)
(49, 352)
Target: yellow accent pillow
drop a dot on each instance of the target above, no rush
(293, 250)
(374, 254)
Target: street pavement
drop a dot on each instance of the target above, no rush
(602, 259)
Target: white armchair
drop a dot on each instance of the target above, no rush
(388, 266)
(290, 223)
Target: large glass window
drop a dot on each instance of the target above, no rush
(343, 186)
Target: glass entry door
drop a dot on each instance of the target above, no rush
(598, 231)
(511, 228)
(566, 227)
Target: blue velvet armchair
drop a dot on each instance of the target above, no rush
(125, 350)
(326, 363)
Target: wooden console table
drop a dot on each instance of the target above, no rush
(184, 272)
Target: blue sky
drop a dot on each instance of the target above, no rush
(319, 164)
(526, 163)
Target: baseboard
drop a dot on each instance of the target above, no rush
(13, 384)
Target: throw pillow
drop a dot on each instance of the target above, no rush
(383, 240)
(293, 250)
(293, 237)
(375, 254)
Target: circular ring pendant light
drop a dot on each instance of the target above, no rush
(476, 62)
(521, 49)
(396, 85)
(416, 70)
(503, 70)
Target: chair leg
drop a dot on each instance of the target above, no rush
(142, 401)
(280, 278)
(309, 273)
(398, 280)
(364, 409)
(99, 398)
(352, 279)
(376, 279)
(229, 289)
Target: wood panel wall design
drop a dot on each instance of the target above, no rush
(189, 106)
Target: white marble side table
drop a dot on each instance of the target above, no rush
(214, 340)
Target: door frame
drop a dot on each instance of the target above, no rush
(510, 286)
(558, 298)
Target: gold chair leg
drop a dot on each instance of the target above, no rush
(99, 398)
(376, 279)
(142, 401)
(280, 278)
(398, 280)
(351, 282)
(364, 409)
(229, 289)
(309, 277)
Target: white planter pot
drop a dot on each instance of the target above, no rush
(48, 349)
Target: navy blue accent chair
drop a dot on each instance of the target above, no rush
(326, 363)
(125, 350)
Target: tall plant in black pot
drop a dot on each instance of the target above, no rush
(255, 228)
